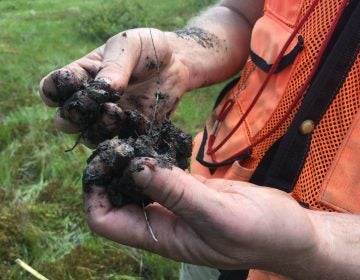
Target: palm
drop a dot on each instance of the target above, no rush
(219, 223)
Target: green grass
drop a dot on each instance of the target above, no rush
(41, 217)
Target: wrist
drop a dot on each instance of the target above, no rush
(200, 52)
(332, 251)
(300, 254)
(213, 51)
(337, 251)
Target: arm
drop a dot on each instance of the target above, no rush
(208, 51)
(226, 44)
(231, 225)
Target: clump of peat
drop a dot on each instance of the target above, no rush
(135, 136)
(93, 110)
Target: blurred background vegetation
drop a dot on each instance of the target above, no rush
(41, 216)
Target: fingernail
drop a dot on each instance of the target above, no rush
(64, 76)
(141, 174)
(59, 86)
(103, 80)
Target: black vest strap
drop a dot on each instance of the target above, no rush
(233, 274)
(286, 60)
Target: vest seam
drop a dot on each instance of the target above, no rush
(283, 19)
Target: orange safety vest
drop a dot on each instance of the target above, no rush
(329, 178)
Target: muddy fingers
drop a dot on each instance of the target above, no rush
(57, 87)
(84, 107)
(109, 124)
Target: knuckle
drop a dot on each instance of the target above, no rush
(112, 39)
(173, 196)
(112, 65)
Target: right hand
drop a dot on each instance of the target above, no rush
(128, 64)
(210, 222)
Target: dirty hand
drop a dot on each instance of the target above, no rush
(212, 222)
(132, 64)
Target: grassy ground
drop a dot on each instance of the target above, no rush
(41, 218)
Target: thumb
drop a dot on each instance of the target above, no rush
(174, 188)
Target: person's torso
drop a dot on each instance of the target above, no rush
(326, 174)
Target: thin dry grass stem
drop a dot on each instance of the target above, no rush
(29, 269)
(148, 224)
(158, 83)
(152, 124)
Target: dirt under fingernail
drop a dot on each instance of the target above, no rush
(65, 85)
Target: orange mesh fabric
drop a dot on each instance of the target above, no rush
(330, 132)
(327, 138)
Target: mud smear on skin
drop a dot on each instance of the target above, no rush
(108, 165)
(200, 36)
(152, 65)
(205, 39)
(60, 85)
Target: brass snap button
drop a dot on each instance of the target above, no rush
(307, 127)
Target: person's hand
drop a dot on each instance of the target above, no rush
(212, 222)
(133, 63)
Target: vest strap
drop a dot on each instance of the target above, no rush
(285, 61)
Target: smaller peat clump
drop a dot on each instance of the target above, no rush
(94, 110)
(108, 165)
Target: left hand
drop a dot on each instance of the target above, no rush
(212, 222)
(130, 65)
